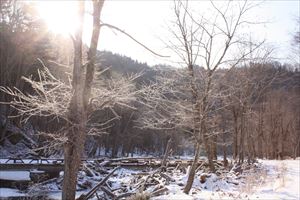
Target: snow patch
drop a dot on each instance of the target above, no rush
(9, 192)
(15, 175)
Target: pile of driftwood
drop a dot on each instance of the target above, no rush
(154, 182)
(153, 179)
(149, 175)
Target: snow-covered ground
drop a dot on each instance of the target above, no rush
(282, 180)
(270, 179)
(15, 175)
(9, 192)
(276, 180)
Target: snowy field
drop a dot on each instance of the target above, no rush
(269, 179)
(278, 179)
(282, 181)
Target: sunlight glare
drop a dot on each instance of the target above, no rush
(60, 16)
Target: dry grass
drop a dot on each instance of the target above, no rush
(253, 180)
(140, 196)
(281, 179)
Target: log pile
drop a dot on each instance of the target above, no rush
(153, 178)
(127, 177)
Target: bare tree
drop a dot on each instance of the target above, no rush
(189, 98)
(200, 38)
(67, 102)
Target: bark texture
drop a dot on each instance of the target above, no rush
(192, 171)
(79, 105)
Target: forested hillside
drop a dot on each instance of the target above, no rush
(269, 92)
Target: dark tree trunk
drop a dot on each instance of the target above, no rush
(242, 138)
(260, 134)
(74, 145)
(214, 147)
(79, 104)
(167, 151)
(209, 155)
(235, 134)
(72, 154)
(224, 149)
(93, 151)
(192, 171)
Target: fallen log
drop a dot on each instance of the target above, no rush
(177, 167)
(159, 192)
(233, 182)
(108, 192)
(143, 187)
(121, 196)
(88, 171)
(132, 159)
(94, 189)
(140, 174)
(104, 163)
(85, 185)
(200, 166)
(157, 187)
(168, 178)
(138, 185)
(46, 182)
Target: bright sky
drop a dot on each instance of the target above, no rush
(148, 22)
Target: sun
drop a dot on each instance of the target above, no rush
(60, 16)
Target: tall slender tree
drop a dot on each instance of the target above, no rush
(79, 104)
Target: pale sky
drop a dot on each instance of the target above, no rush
(148, 22)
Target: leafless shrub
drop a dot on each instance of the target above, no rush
(51, 97)
(166, 104)
(281, 174)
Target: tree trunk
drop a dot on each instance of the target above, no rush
(224, 149)
(242, 138)
(260, 134)
(167, 151)
(114, 149)
(209, 155)
(197, 123)
(192, 171)
(80, 104)
(74, 145)
(235, 136)
(213, 142)
(72, 155)
(90, 69)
